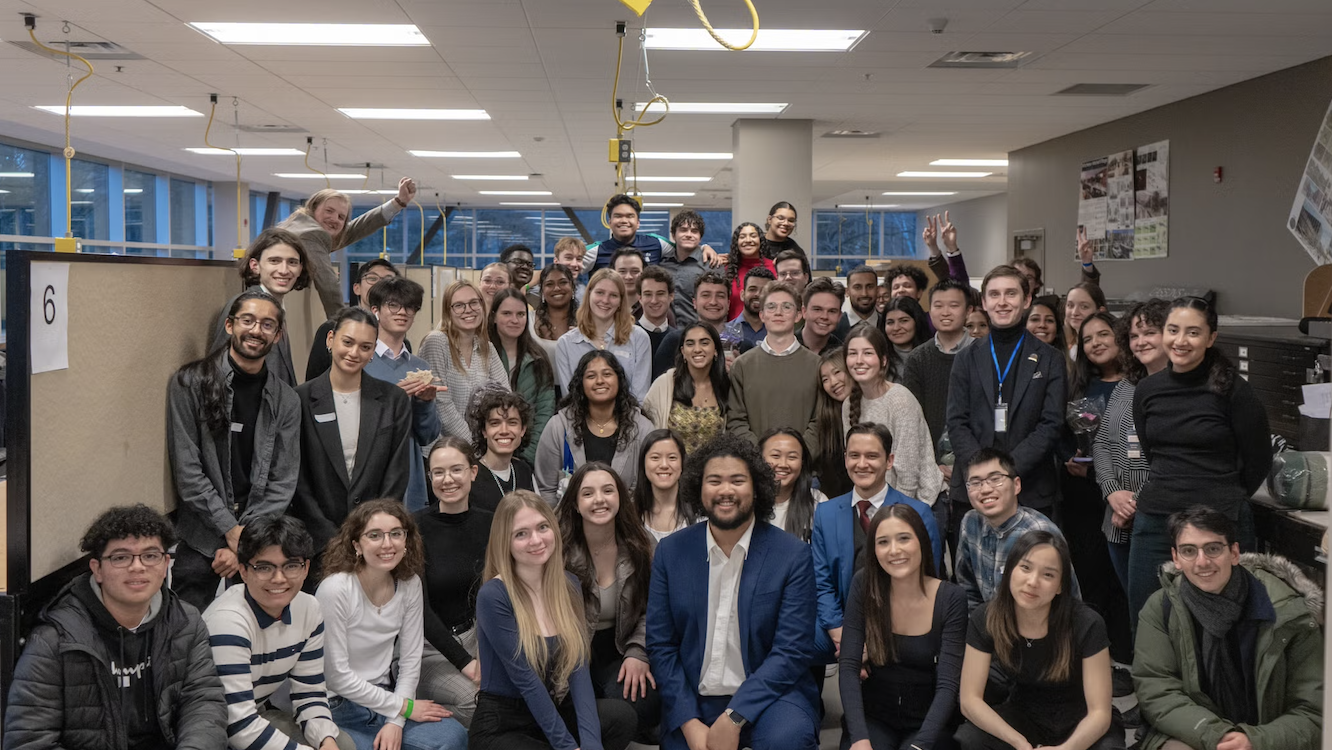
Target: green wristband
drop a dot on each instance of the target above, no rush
(410, 705)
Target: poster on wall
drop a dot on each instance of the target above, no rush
(1311, 216)
(1151, 187)
(1119, 206)
(1092, 205)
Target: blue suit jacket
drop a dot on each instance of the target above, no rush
(833, 545)
(776, 608)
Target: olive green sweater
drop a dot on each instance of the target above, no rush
(769, 391)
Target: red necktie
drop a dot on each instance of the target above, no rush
(863, 506)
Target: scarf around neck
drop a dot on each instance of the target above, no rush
(1216, 615)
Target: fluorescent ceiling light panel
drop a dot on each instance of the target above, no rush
(313, 176)
(389, 113)
(664, 194)
(18, 175)
(467, 154)
(969, 163)
(522, 177)
(769, 40)
(926, 193)
(515, 192)
(662, 205)
(4, 192)
(133, 191)
(537, 218)
(247, 151)
(684, 155)
(669, 179)
(717, 108)
(867, 205)
(316, 34)
(944, 174)
(87, 110)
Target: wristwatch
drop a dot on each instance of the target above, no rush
(736, 719)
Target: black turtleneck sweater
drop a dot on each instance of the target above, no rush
(247, 393)
(1005, 340)
(1200, 446)
(455, 554)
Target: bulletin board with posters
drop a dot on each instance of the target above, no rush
(1123, 204)
(1311, 215)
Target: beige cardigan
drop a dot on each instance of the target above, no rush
(657, 403)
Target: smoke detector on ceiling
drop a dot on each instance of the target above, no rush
(980, 60)
(272, 127)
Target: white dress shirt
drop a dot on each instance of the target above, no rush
(875, 500)
(723, 661)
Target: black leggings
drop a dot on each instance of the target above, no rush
(971, 737)
(605, 672)
(502, 723)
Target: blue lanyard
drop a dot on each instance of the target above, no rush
(1008, 367)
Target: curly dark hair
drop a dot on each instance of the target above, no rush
(733, 259)
(576, 403)
(486, 400)
(630, 535)
(916, 275)
(340, 554)
(542, 311)
(123, 522)
(1152, 312)
(727, 445)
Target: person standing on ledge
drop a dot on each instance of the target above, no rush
(623, 211)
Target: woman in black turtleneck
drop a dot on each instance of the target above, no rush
(1205, 437)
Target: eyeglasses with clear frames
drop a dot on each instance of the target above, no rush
(377, 536)
(267, 325)
(782, 306)
(150, 559)
(455, 472)
(1213, 550)
(993, 481)
(265, 570)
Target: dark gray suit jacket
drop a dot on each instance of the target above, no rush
(324, 493)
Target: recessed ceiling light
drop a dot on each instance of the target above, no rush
(520, 203)
(467, 154)
(681, 155)
(664, 194)
(86, 110)
(389, 113)
(133, 191)
(969, 163)
(247, 151)
(769, 40)
(662, 205)
(925, 193)
(718, 108)
(944, 174)
(4, 192)
(867, 205)
(314, 176)
(515, 192)
(321, 34)
(669, 179)
(19, 175)
(489, 176)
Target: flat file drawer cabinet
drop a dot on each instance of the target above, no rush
(1277, 361)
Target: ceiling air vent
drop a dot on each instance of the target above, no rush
(850, 134)
(1102, 89)
(271, 128)
(980, 60)
(92, 50)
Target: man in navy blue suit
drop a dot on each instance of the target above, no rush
(730, 613)
(841, 523)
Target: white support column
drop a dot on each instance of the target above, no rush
(774, 161)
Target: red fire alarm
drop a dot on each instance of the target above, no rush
(1216, 175)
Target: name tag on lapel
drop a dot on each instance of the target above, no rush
(237, 427)
(324, 418)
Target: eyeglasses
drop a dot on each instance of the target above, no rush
(397, 307)
(267, 325)
(265, 570)
(783, 306)
(150, 559)
(993, 481)
(377, 536)
(371, 279)
(522, 263)
(456, 472)
(1213, 550)
(461, 307)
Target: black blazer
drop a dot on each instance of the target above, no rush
(1035, 416)
(324, 495)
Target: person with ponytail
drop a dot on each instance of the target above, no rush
(781, 225)
(874, 399)
(1057, 651)
(536, 690)
(1205, 436)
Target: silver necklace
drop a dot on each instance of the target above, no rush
(513, 480)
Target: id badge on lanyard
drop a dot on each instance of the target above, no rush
(1001, 416)
(1000, 408)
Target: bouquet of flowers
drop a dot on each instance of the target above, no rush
(1084, 418)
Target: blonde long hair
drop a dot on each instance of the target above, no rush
(624, 317)
(447, 327)
(318, 199)
(563, 606)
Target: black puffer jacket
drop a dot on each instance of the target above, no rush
(63, 696)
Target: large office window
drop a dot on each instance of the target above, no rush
(846, 239)
(90, 204)
(25, 193)
(140, 207)
(182, 212)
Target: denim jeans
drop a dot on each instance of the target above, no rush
(362, 724)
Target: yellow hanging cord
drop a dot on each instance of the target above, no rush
(239, 250)
(753, 14)
(309, 146)
(444, 231)
(623, 126)
(69, 99)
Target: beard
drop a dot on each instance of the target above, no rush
(240, 340)
(742, 516)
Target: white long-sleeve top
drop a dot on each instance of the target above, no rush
(359, 640)
(914, 472)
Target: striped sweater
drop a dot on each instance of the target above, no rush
(256, 654)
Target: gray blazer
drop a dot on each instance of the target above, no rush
(318, 246)
(550, 454)
(279, 357)
(630, 626)
(201, 461)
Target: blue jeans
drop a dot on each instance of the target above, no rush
(362, 724)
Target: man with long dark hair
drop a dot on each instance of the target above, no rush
(233, 428)
(730, 612)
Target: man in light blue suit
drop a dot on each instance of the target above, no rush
(838, 541)
(730, 611)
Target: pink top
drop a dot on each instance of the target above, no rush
(738, 284)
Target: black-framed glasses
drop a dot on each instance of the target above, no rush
(267, 325)
(150, 559)
(993, 481)
(461, 307)
(265, 570)
(522, 263)
(1213, 550)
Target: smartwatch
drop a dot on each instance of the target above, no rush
(736, 719)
